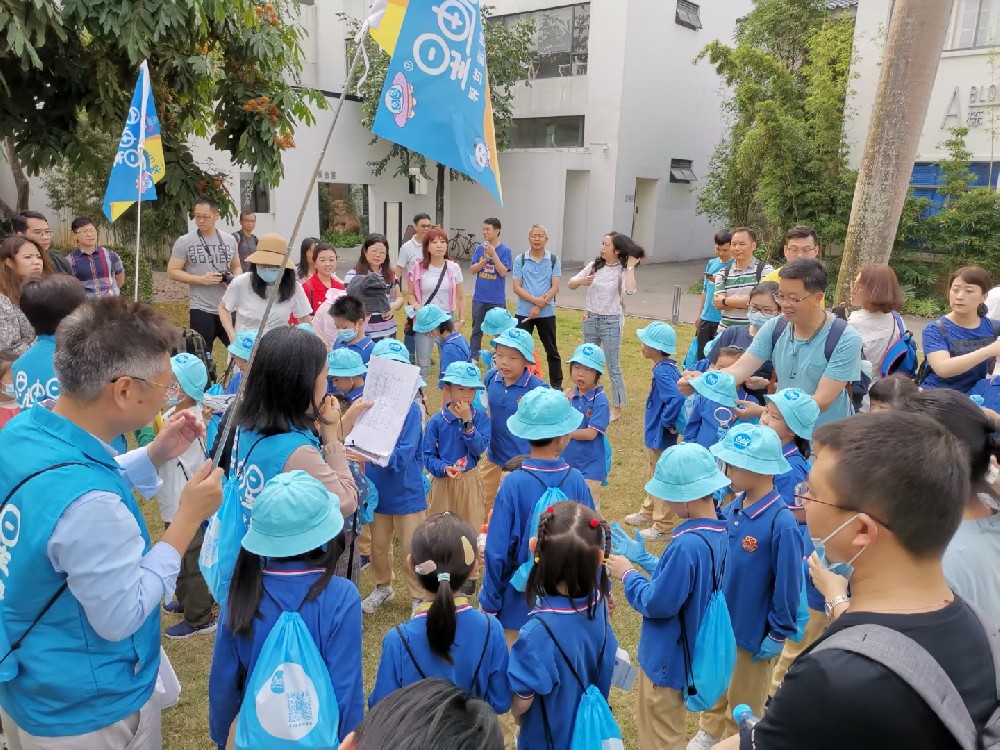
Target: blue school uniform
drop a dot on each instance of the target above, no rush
(816, 600)
(512, 510)
(453, 349)
(989, 389)
(538, 670)
(785, 483)
(663, 406)
(502, 400)
(400, 484)
(33, 375)
(588, 456)
(362, 346)
(234, 383)
(334, 621)
(352, 395)
(679, 587)
(763, 577)
(703, 421)
(446, 441)
(479, 653)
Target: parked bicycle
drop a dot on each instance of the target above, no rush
(461, 245)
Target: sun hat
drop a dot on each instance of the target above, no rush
(428, 318)
(344, 363)
(498, 320)
(799, 410)
(306, 327)
(717, 386)
(191, 374)
(544, 413)
(659, 336)
(589, 355)
(391, 349)
(271, 249)
(517, 338)
(684, 473)
(293, 514)
(242, 344)
(752, 447)
(464, 374)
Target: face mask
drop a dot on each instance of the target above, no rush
(758, 319)
(8, 390)
(346, 334)
(845, 569)
(269, 275)
(172, 401)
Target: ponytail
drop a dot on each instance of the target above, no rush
(441, 619)
(246, 589)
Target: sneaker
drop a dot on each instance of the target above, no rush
(637, 519)
(654, 535)
(376, 599)
(184, 630)
(366, 562)
(173, 608)
(702, 741)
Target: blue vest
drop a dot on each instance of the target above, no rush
(71, 681)
(33, 373)
(258, 459)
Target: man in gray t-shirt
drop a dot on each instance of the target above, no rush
(206, 260)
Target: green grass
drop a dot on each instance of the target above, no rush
(185, 727)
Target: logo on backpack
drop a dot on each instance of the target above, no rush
(292, 715)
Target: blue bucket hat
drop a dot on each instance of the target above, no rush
(243, 344)
(307, 327)
(659, 336)
(799, 410)
(716, 386)
(293, 514)
(344, 363)
(428, 318)
(516, 338)
(684, 473)
(498, 320)
(544, 413)
(752, 447)
(589, 355)
(391, 349)
(463, 374)
(191, 374)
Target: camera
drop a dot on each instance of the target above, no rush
(227, 277)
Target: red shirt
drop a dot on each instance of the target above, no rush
(316, 290)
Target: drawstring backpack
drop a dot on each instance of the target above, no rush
(550, 496)
(802, 611)
(708, 670)
(288, 701)
(471, 689)
(367, 494)
(607, 459)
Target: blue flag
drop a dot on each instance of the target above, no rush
(436, 95)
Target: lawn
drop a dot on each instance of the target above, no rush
(185, 727)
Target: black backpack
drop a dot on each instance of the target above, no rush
(193, 342)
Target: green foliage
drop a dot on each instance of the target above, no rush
(145, 273)
(343, 239)
(928, 306)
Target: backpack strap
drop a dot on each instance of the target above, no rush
(779, 328)
(409, 651)
(837, 329)
(542, 481)
(944, 333)
(760, 269)
(482, 656)
(689, 688)
(562, 653)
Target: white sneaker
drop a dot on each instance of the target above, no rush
(703, 741)
(376, 599)
(654, 535)
(637, 519)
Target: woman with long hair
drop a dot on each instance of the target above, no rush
(306, 264)
(435, 279)
(20, 259)
(374, 259)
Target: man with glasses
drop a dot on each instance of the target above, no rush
(800, 243)
(35, 227)
(99, 270)
(206, 260)
(410, 253)
(733, 283)
(536, 284)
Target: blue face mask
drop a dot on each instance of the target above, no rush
(758, 319)
(346, 334)
(845, 569)
(269, 275)
(8, 390)
(172, 401)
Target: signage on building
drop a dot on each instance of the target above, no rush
(971, 106)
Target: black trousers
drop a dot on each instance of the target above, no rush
(210, 328)
(546, 328)
(705, 331)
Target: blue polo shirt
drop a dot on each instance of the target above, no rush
(663, 406)
(587, 456)
(400, 484)
(679, 587)
(763, 579)
(989, 389)
(785, 483)
(453, 349)
(703, 422)
(33, 374)
(815, 599)
(491, 287)
(536, 279)
(538, 670)
(714, 266)
(957, 340)
(362, 346)
(445, 441)
(502, 400)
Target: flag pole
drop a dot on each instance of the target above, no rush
(140, 182)
(138, 225)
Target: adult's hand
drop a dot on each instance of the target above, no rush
(631, 263)
(756, 383)
(200, 498)
(748, 410)
(534, 312)
(175, 437)
(719, 301)
(210, 278)
(684, 385)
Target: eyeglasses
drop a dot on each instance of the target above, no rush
(802, 495)
(40, 232)
(783, 298)
(203, 217)
(172, 389)
(765, 310)
(801, 249)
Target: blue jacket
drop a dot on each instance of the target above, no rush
(786, 483)
(400, 484)
(508, 534)
(502, 401)
(703, 422)
(472, 644)
(680, 587)
(988, 388)
(763, 577)
(33, 373)
(445, 442)
(71, 681)
(663, 406)
(363, 347)
(588, 455)
(258, 459)
(453, 349)
(333, 619)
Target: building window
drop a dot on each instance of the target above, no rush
(977, 24)
(254, 196)
(688, 14)
(547, 132)
(559, 45)
(927, 179)
(681, 171)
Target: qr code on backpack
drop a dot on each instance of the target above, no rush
(300, 708)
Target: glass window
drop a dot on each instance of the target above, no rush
(688, 14)
(547, 132)
(681, 170)
(559, 45)
(977, 25)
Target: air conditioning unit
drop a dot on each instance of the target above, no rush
(418, 185)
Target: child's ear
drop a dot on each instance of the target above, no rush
(532, 543)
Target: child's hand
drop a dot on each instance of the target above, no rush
(684, 385)
(617, 566)
(452, 471)
(462, 410)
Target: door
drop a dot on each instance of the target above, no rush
(644, 218)
(574, 234)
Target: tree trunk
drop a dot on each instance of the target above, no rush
(439, 196)
(917, 33)
(20, 182)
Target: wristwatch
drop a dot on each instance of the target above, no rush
(831, 604)
(468, 426)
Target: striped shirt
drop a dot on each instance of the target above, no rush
(737, 282)
(97, 271)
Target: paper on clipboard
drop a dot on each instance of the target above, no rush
(391, 386)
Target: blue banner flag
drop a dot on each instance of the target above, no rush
(436, 95)
(139, 162)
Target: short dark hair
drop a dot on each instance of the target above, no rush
(348, 307)
(916, 483)
(446, 326)
(750, 233)
(811, 272)
(974, 275)
(204, 200)
(493, 222)
(541, 442)
(20, 222)
(731, 351)
(893, 390)
(513, 464)
(246, 212)
(417, 218)
(800, 233)
(79, 223)
(723, 237)
(765, 287)
(46, 301)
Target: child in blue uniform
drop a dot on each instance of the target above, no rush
(763, 578)
(349, 316)
(586, 446)
(446, 637)
(545, 419)
(287, 565)
(711, 416)
(434, 322)
(569, 588)
(663, 407)
(346, 374)
(496, 321)
(679, 587)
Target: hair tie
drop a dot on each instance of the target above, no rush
(537, 558)
(444, 577)
(594, 523)
(425, 568)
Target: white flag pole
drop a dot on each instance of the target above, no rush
(144, 81)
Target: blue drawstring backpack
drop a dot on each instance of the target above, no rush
(486, 357)
(692, 355)
(367, 494)
(709, 669)
(682, 419)
(426, 482)
(607, 460)
(802, 611)
(289, 700)
(550, 496)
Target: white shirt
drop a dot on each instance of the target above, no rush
(430, 279)
(249, 308)
(604, 294)
(993, 303)
(409, 254)
(878, 331)
(174, 474)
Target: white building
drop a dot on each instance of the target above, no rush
(614, 131)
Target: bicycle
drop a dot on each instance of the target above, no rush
(460, 246)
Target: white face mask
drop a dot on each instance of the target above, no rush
(8, 390)
(845, 569)
(346, 334)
